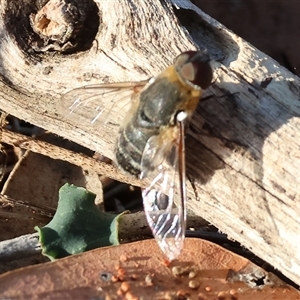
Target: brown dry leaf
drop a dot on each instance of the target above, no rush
(31, 195)
(139, 271)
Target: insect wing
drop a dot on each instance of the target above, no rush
(164, 165)
(95, 104)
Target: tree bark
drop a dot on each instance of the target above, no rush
(243, 144)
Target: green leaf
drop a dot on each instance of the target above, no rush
(78, 225)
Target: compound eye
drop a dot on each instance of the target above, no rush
(194, 68)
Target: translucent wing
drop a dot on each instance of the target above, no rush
(94, 104)
(164, 165)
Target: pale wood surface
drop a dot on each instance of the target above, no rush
(242, 150)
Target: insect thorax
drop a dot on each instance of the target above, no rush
(157, 109)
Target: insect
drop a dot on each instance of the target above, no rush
(151, 140)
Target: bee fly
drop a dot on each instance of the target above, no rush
(151, 142)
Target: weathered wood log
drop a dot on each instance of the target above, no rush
(243, 145)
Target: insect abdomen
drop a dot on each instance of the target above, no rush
(130, 147)
(157, 107)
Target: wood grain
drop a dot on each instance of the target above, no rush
(243, 144)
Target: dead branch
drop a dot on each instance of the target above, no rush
(78, 159)
(242, 150)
